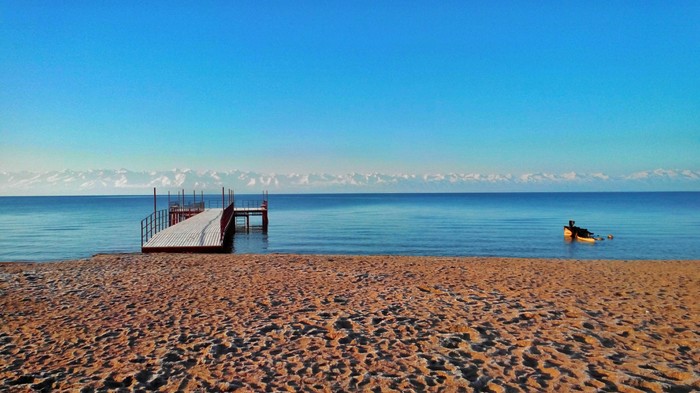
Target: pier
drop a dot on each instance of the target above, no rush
(197, 229)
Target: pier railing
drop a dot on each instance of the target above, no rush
(180, 213)
(251, 204)
(226, 218)
(192, 206)
(154, 223)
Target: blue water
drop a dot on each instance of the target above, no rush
(644, 225)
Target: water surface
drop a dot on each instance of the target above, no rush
(645, 225)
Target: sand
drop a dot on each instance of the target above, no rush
(349, 323)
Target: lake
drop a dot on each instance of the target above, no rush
(645, 225)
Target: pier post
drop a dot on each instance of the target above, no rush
(170, 215)
(155, 212)
(264, 213)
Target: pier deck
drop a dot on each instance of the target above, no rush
(200, 233)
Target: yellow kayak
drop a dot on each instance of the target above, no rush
(585, 239)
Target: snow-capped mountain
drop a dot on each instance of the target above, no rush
(123, 181)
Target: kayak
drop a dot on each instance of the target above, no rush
(585, 239)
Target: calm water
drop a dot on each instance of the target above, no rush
(645, 225)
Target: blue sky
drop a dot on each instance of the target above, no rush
(338, 87)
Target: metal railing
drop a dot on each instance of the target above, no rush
(154, 223)
(181, 213)
(225, 221)
(190, 206)
(251, 204)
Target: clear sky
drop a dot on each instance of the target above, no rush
(352, 86)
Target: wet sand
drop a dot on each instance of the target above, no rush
(349, 323)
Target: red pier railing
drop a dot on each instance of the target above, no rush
(226, 219)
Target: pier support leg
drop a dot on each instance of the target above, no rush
(264, 221)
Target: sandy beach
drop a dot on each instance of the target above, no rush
(274, 323)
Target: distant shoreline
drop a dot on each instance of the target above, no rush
(339, 322)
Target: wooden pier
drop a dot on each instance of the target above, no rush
(199, 233)
(197, 229)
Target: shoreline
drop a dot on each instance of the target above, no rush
(273, 322)
(465, 257)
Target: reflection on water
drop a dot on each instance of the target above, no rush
(251, 241)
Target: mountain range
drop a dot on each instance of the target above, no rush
(123, 181)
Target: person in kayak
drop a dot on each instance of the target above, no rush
(578, 231)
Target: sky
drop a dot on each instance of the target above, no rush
(339, 87)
